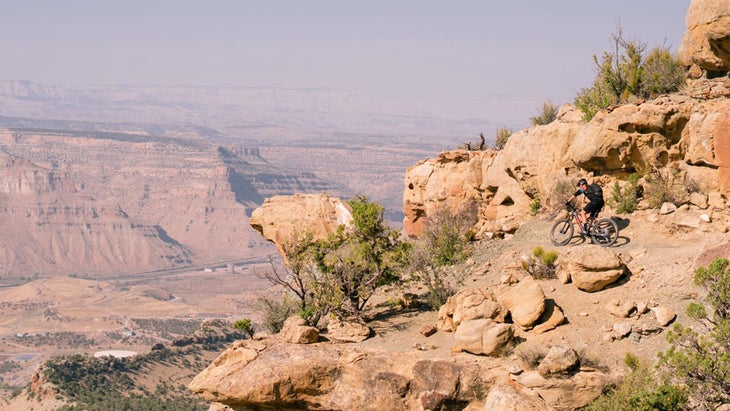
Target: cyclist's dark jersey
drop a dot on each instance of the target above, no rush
(594, 195)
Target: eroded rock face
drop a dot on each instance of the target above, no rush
(252, 374)
(284, 220)
(706, 42)
(690, 136)
(272, 375)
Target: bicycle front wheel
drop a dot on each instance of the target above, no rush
(605, 232)
(561, 232)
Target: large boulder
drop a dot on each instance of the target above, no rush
(468, 304)
(706, 42)
(525, 301)
(482, 337)
(593, 268)
(284, 220)
(570, 393)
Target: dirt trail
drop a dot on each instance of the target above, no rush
(660, 254)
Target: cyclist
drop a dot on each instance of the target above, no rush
(594, 193)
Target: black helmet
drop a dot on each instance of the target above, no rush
(582, 181)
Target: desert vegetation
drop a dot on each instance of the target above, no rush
(547, 114)
(338, 275)
(109, 383)
(695, 371)
(501, 136)
(628, 73)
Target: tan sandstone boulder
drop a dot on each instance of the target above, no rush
(525, 301)
(559, 360)
(706, 42)
(347, 331)
(482, 337)
(592, 268)
(296, 331)
(514, 397)
(284, 220)
(468, 304)
(570, 393)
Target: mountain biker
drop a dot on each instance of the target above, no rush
(594, 193)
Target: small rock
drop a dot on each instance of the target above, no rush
(559, 360)
(583, 314)
(420, 347)
(622, 329)
(698, 199)
(642, 307)
(260, 335)
(667, 208)
(515, 370)
(664, 315)
(428, 330)
(620, 309)
(706, 218)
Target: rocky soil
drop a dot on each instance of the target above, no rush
(660, 255)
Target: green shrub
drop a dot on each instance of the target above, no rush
(447, 234)
(640, 390)
(338, 275)
(661, 73)
(444, 242)
(535, 206)
(547, 115)
(275, 311)
(701, 360)
(559, 193)
(542, 265)
(244, 325)
(626, 73)
(667, 185)
(624, 200)
(502, 135)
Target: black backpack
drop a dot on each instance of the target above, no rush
(597, 189)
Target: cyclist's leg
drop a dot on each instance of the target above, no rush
(592, 209)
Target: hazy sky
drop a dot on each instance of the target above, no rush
(381, 48)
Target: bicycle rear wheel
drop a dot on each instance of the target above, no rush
(562, 232)
(605, 232)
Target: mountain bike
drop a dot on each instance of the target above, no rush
(603, 232)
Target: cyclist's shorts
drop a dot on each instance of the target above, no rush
(593, 208)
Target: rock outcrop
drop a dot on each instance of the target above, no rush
(283, 220)
(706, 43)
(269, 374)
(685, 134)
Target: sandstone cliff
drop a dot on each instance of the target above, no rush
(112, 203)
(686, 132)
